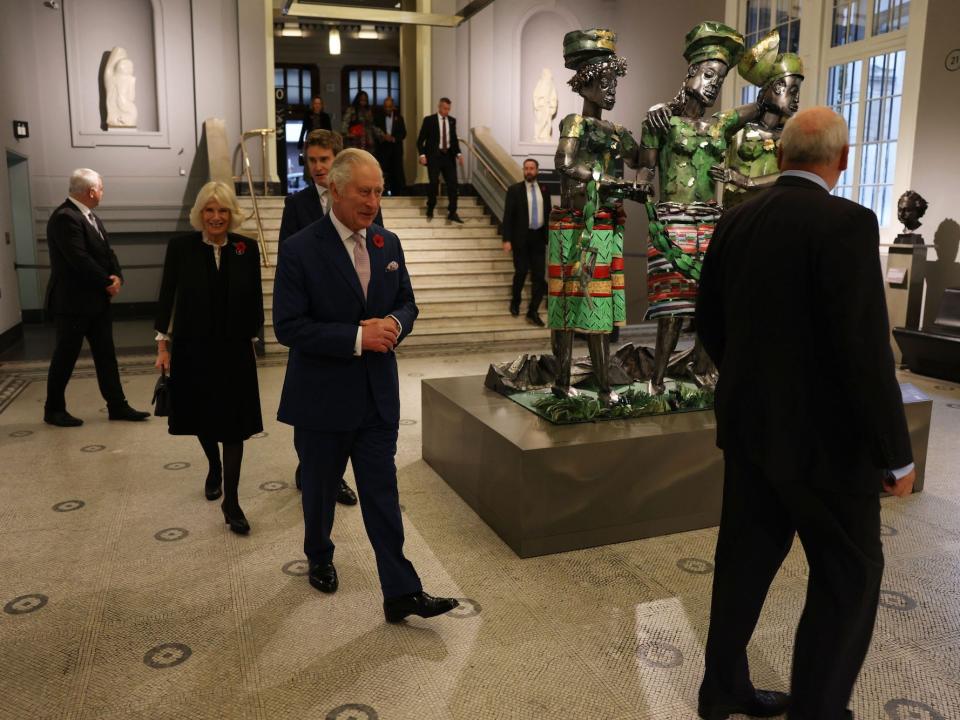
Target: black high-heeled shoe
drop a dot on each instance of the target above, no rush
(211, 488)
(236, 520)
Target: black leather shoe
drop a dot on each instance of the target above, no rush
(346, 496)
(429, 213)
(515, 308)
(396, 609)
(61, 418)
(296, 478)
(763, 704)
(534, 318)
(324, 577)
(453, 217)
(236, 520)
(125, 412)
(211, 488)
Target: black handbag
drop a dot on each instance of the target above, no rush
(161, 395)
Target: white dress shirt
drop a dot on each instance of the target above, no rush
(346, 237)
(532, 188)
(87, 214)
(388, 124)
(324, 198)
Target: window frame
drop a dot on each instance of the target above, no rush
(299, 110)
(347, 97)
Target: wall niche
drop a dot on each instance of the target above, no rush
(91, 29)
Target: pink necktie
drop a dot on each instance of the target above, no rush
(362, 260)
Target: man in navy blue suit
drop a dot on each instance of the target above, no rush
(342, 302)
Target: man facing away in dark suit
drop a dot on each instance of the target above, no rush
(342, 302)
(392, 131)
(810, 419)
(307, 206)
(525, 216)
(84, 277)
(440, 151)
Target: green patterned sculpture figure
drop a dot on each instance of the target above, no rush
(585, 252)
(683, 146)
(751, 163)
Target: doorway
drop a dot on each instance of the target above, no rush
(21, 208)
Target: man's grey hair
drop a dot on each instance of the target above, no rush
(814, 137)
(82, 179)
(341, 172)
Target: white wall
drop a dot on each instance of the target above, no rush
(936, 153)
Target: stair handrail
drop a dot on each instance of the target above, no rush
(500, 170)
(262, 133)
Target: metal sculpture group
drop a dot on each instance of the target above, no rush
(700, 163)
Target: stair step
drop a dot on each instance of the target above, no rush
(483, 301)
(420, 267)
(447, 332)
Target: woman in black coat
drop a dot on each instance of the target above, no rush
(316, 119)
(211, 309)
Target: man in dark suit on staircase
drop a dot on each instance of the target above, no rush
(84, 277)
(342, 302)
(525, 216)
(308, 206)
(439, 150)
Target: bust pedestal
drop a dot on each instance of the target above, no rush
(904, 284)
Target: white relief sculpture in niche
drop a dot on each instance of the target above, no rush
(120, 85)
(544, 107)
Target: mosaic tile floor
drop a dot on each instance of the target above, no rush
(124, 596)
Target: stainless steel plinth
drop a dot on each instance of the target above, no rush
(547, 488)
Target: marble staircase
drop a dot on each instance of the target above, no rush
(460, 274)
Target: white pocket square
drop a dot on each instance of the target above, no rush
(392, 266)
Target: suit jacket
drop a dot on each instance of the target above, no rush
(81, 263)
(428, 141)
(399, 129)
(792, 311)
(516, 215)
(303, 208)
(317, 306)
(189, 291)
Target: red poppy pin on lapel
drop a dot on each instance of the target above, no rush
(240, 247)
(378, 241)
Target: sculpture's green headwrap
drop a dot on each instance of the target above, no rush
(712, 40)
(585, 46)
(763, 64)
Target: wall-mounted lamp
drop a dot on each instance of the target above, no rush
(52, 4)
(334, 41)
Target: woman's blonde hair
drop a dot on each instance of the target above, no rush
(223, 194)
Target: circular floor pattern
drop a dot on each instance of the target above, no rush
(296, 568)
(21, 433)
(180, 465)
(902, 709)
(695, 566)
(273, 485)
(25, 604)
(352, 711)
(888, 531)
(171, 534)
(259, 435)
(93, 448)
(68, 505)
(893, 600)
(167, 655)
(955, 406)
(408, 422)
(659, 654)
(467, 608)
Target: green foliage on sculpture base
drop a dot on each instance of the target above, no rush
(634, 401)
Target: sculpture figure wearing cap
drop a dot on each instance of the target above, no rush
(585, 249)
(683, 146)
(751, 163)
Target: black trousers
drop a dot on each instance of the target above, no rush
(840, 534)
(391, 161)
(530, 256)
(442, 164)
(71, 330)
(372, 449)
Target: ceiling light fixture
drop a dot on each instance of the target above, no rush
(291, 29)
(368, 32)
(334, 41)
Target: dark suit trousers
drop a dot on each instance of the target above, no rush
(372, 449)
(530, 256)
(442, 164)
(391, 160)
(840, 534)
(71, 330)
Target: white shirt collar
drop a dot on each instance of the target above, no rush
(812, 177)
(345, 232)
(80, 206)
(210, 242)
